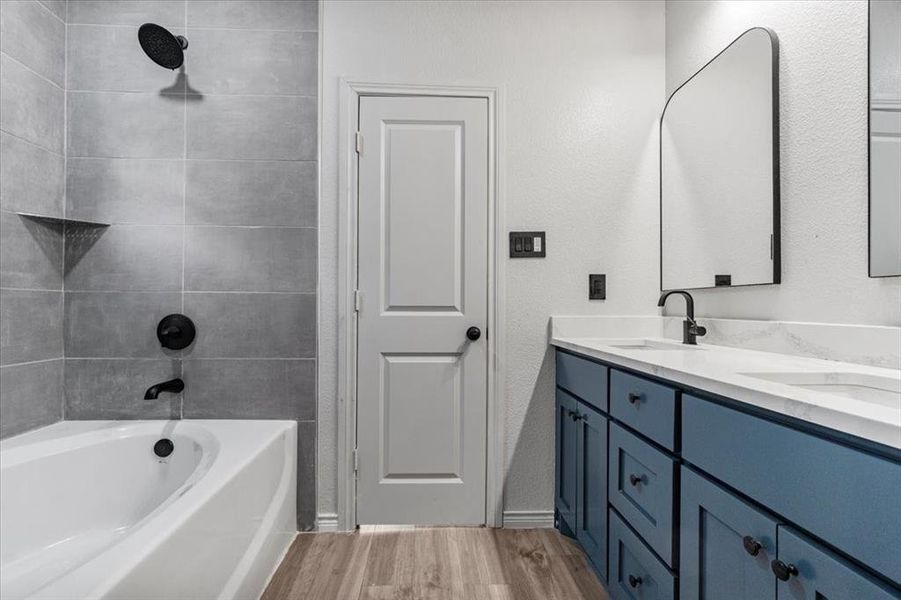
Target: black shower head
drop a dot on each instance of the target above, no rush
(163, 48)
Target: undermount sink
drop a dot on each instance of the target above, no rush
(641, 344)
(885, 391)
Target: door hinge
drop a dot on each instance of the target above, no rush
(356, 463)
(358, 300)
(359, 142)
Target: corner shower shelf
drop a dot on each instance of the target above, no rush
(62, 220)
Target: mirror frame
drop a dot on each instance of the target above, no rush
(870, 151)
(776, 246)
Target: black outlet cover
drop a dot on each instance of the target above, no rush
(597, 287)
(722, 280)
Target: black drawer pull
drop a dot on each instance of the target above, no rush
(751, 545)
(635, 479)
(634, 581)
(783, 571)
(634, 397)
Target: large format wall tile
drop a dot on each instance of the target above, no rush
(256, 192)
(34, 36)
(169, 13)
(30, 396)
(306, 475)
(116, 324)
(125, 258)
(253, 62)
(250, 389)
(31, 253)
(252, 127)
(253, 325)
(32, 179)
(120, 67)
(123, 125)
(126, 190)
(114, 389)
(251, 259)
(30, 326)
(31, 107)
(297, 15)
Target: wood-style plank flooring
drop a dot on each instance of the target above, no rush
(437, 563)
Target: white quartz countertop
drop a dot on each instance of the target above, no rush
(724, 371)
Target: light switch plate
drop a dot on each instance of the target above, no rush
(527, 244)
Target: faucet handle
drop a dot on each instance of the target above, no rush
(698, 330)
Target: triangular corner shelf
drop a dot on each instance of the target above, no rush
(62, 220)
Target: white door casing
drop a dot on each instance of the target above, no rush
(423, 279)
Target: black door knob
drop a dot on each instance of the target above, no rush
(751, 545)
(473, 333)
(783, 571)
(634, 581)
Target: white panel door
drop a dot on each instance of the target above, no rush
(423, 270)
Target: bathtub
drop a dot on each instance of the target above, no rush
(89, 511)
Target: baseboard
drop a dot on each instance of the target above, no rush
(528, 519)
(327, 522)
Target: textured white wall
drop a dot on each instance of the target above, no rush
(823, 102)
(584, 88)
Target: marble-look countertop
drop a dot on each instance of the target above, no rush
(722, 370)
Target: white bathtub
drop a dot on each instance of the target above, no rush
(88, 511)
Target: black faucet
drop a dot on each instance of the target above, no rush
(690, 328)
(173, 385)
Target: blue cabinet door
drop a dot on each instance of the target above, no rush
(726, 545)
(567, 458)
(591, 504)
(810, 572)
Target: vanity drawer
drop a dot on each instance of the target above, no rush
(583, 378)
(647, 407)
(842, 495)
(641, 488)
(635, 573)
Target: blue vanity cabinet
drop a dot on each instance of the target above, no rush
(675, 492)
(807, 571)
(726, 545)
(566, 450)
(591, 502)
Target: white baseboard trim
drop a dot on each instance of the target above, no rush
(327, 522)
(528, 519)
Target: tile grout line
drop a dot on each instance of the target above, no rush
(55, 16)
(184, 210)
(39, 146)
(63, 400)
(32, 71)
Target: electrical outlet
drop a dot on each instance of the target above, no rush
(597, 287)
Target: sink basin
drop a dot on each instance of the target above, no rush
(642, 344)
(885, 391)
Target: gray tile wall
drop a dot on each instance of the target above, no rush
(209, 180)
(32, 180)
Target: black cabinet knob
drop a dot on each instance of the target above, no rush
(783, 571)
(634, 397)
(473, 333)
(634, 581)
(751, 545)
(635, 479)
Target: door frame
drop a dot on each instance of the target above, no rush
(350, 93)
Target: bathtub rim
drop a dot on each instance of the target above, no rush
(246, 439)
